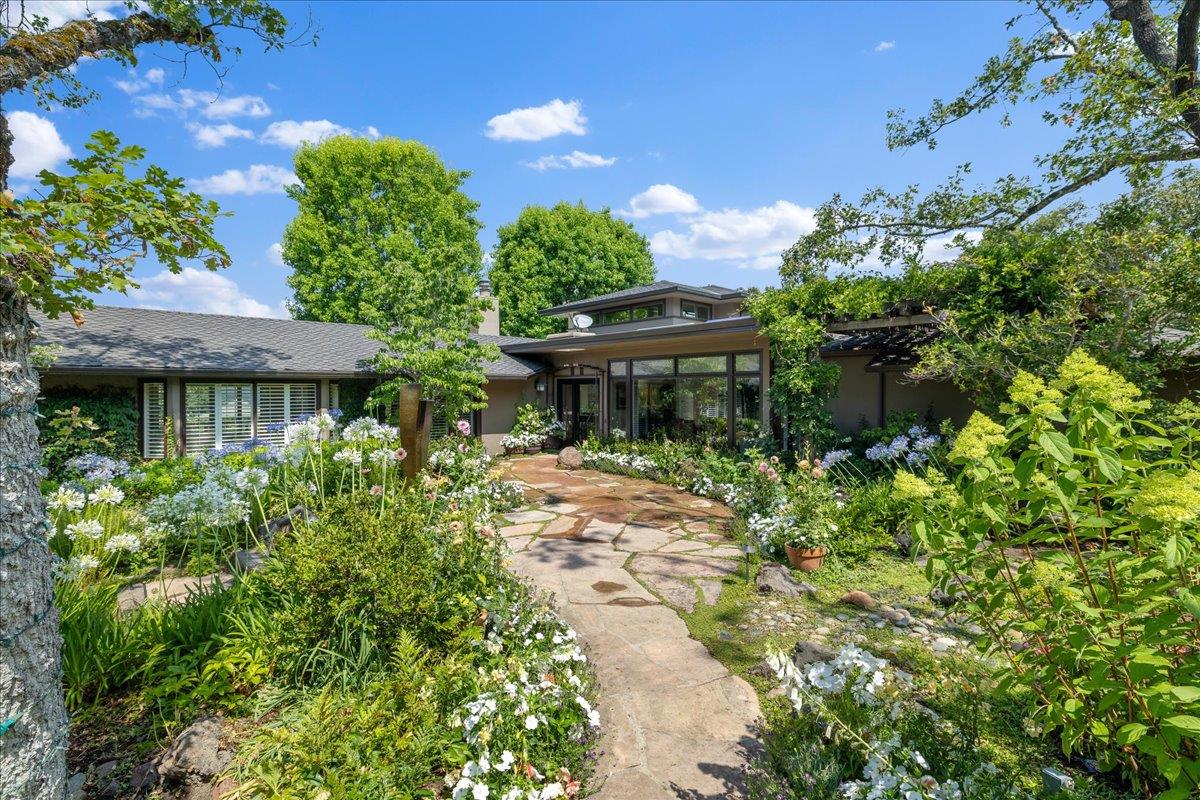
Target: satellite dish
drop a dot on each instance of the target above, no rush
(582, 321)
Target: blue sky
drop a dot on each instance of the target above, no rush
(742, 116)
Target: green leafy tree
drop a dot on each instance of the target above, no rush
(79, 233)
(385, 236)
(556, 255)
(1118, 83)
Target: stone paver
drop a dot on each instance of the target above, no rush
(620, 556)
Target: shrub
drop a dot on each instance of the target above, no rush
(112, 410)
(1072, 534)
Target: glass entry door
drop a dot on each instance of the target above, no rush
(578, 407)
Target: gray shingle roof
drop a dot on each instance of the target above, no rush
(711, 291)
(139, 340)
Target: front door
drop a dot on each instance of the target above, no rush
(578, 407)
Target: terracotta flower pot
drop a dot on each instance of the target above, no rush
(536, 448)
(510, 449)
(805, 559)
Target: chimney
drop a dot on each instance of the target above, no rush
(491, 315)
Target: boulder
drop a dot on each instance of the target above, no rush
(246, 561)
(75, 786)
(570, 458)
(777, 579)
(144, 777)
(267, 531)
(197, 754)
(811, 652)
(859, 599)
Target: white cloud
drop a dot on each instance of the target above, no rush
(538, 122)
(256, 179)
(290, 133)
(275, 254)
(199, 290)
(135, 83)
(754, 238)
(58, 12)
(36, 144)
(576, 159)
(661, 198)
(883, 47)
(208, 104)
(206, 136)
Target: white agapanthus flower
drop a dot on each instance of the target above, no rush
(123, 542)
(65, 498)
(349, 456)
(108, 495)
(88, 528)
(75, 568)
(252, 479)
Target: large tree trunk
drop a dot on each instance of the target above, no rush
(33, 719)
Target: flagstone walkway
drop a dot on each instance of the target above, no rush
(621, 555)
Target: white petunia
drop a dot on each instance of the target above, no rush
(505, 762)
(480, 792)
(531, 722)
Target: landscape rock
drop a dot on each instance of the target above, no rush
(941, 598)
(570, 458)
(245, 561)
(811, 652)
(777, 579)
(144, 776)
(75, 786)
(859, 599)
(197, 754)
(898, 618)
(267, 531)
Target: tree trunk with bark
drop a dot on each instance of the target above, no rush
(33, 718)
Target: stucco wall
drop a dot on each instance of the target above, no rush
(857, 395)
(935, 400)
(871, 395)
(498, 418)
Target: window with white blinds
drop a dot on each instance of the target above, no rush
(281, 403)
(217, 414)
(438, 426)
(153, 418)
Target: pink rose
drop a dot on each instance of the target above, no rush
(464, 427)
(376, 490)
(772, 474)
(762, 467)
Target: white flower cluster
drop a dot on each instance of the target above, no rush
(519, 441)
(893, 770)
(214, 503)
(65, 498)
(76, 568)
(524, 697)
(727, 493)
(317, 427)
(365, 429)
(606, 460)
(772, 530)
(251, 479)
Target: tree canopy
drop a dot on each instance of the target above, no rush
(1118, 80)
(385, 236)
(550, 256)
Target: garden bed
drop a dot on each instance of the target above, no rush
(382, 649)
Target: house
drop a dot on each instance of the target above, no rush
(663, 359)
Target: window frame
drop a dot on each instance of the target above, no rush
(697, 305)
(631, 310)
(230, 381)
(143, 426)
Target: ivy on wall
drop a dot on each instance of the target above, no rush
(113, 410)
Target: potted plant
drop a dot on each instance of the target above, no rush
(555, 431)
(533, 443)
(807, 546)
(512, 444)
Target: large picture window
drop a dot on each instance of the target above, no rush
(217, 414)
(713, 398)
(281, 403)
